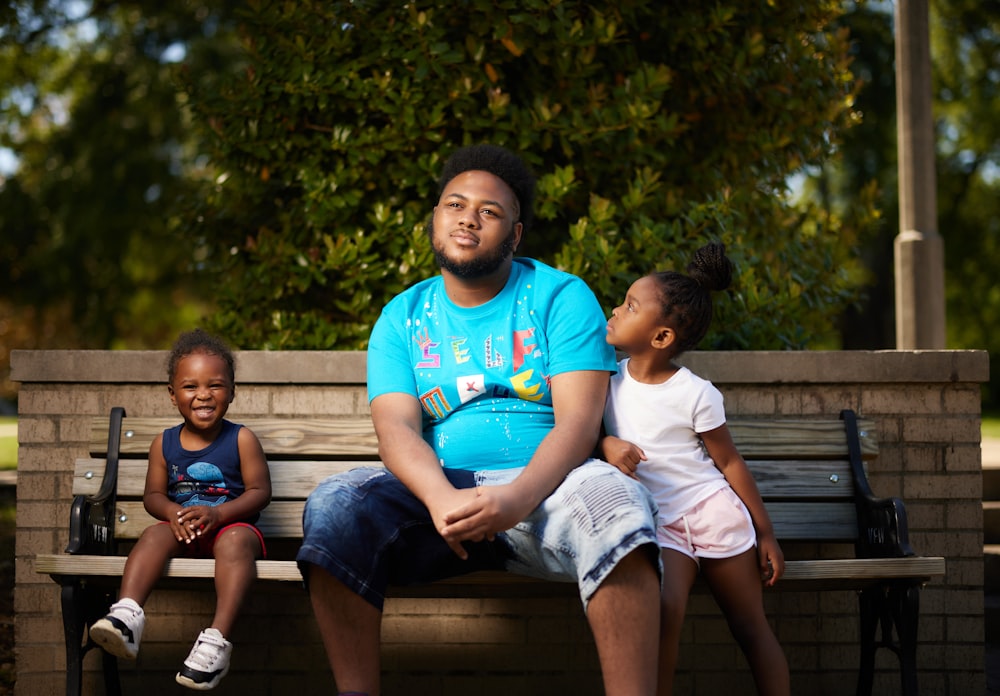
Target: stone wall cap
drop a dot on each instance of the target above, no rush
(348, 367)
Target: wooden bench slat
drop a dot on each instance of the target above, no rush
(283, 519)
(63, 564)
(204, 568)
(292, 436)
(294, 479)
(800, 439)
(289, 479)
(756, 439)
(865, 568)
(855, 571)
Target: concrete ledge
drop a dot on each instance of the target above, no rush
(319, 367)
(145, 366)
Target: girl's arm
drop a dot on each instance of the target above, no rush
(722, 450)
(621, 454)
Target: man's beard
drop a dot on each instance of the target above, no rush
(472, 269)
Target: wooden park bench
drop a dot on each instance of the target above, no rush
(811, 473)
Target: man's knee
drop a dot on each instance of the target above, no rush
(604, 496)
(334, 503)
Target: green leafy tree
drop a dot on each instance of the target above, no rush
(98, 165)
(965, 39)
(100, 169)
(965, 43)
(865, 171)
(653, 126)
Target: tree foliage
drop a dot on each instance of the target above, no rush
(91, 252)
(653, 127)
(965, 40)
(965, 43)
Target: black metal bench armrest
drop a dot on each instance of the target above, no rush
(883, 530)
(92, 518)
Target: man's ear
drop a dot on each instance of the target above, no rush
(664, 338)
(518, 232)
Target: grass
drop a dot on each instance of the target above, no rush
(991, 426)
(8, 447)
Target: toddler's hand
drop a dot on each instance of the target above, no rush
(197, 520)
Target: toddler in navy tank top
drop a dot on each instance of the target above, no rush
(207, 482)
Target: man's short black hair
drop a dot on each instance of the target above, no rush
(501, 163)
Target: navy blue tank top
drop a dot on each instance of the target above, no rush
(208, 476)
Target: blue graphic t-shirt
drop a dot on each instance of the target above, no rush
(482, 374)
(209, 476)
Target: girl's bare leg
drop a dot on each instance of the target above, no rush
(735, 582)
(679, 573)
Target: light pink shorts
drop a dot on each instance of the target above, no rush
(718, 527)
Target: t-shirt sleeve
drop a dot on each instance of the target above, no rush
(577, 330)
(389, 365)
(709, 411)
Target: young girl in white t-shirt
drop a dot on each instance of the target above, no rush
(667, 427)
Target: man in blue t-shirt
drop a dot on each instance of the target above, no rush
(487, 386)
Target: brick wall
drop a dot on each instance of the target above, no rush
(927, 405)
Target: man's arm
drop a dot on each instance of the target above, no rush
(397, 420)
(578, 402)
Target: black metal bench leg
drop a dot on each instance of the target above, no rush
(896, 609)
(73, 624)
(906, 607)
(112, 685)
(869, 601)
(81, 606)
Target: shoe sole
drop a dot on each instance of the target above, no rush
(110, 640)
(190, 683)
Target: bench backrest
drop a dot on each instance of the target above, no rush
(802, 468)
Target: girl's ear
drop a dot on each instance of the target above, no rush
(664, 338)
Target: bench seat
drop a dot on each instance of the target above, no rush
(811, 474)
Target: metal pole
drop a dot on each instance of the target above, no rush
(919, 250)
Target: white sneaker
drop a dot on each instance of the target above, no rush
(120, 632)
(208, 661)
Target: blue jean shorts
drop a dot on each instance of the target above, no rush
(366, 529)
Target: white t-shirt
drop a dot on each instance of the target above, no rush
(664, 421)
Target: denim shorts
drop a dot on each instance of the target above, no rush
(366, 529)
